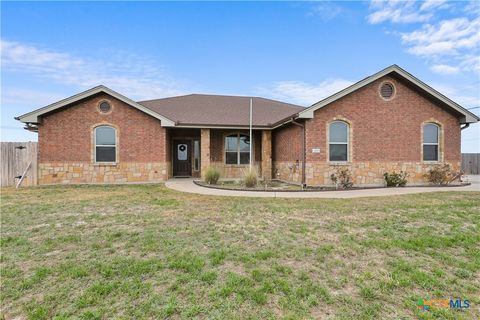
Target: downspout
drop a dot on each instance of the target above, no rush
(465, 127)
(303, 151)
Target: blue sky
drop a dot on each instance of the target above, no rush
(298, 52)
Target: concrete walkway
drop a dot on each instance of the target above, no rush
(187, 185)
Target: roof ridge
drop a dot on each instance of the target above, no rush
(183, 95)
(224, 95)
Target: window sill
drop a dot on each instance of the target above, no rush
(339, 163)
(106, 164)
(432, 161)
(236, 165)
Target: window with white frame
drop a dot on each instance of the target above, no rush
(338, 141)
(105, 144)
(237, 149)
(430, 142)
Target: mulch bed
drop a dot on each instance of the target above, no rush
(282, 186)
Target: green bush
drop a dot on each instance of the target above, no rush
(250, 177)
(212, 175)
(442, 174)
(395, 179)
(342, 177)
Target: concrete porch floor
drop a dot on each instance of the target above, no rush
(187, 185)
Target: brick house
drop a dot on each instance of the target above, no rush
(388, 121)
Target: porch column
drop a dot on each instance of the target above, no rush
(204, 150)
(267, 154)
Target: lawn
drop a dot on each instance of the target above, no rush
(145, 252)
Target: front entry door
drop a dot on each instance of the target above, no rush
(182, 159)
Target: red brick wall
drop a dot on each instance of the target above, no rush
(287, 143)
(66, 135)
(217, 143)
(384, 130)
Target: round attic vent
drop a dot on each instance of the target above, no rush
(386, 91)
(105, 107)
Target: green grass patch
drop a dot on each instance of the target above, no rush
(145, 252)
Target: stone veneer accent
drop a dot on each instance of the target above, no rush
(82, 172)
(364, 173)
(228, 171)
(288, 171)
(371, 173)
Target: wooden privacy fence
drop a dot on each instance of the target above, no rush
(14, 160)
(471, 163)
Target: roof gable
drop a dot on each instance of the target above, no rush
(468, 117)
(33, 116)
(199, 110)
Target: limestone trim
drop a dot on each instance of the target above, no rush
(441, 138)
(350, 155)
(379, 90)
(93, 145)
(107, 101)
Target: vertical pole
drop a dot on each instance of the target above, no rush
(251, 137)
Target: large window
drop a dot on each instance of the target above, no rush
(430, 142)
(338, 141)
(105, 144)
(237, 149)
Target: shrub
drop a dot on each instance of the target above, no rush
(396, 179)
(442, 174)
(343, 177)
(212, 175)
(250, 177)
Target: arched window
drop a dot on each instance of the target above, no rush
(338, 141)
(430, 142)
(237, 149)
(105, 144)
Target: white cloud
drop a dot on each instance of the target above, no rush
(397, 12)
(449, 45)
(444, 69)
(19, 97)
(326, 10)
(445, 38)
(454, 40)
(304, 93)
(460, 94)
(433, 4)
(473, 7)
(471, 63)
(130, 75)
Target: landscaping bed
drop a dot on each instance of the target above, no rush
(282, 186)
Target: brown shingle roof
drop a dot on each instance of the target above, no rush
(218, 110)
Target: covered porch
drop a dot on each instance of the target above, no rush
(193, 150)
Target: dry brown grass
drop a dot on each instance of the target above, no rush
(148, 252)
